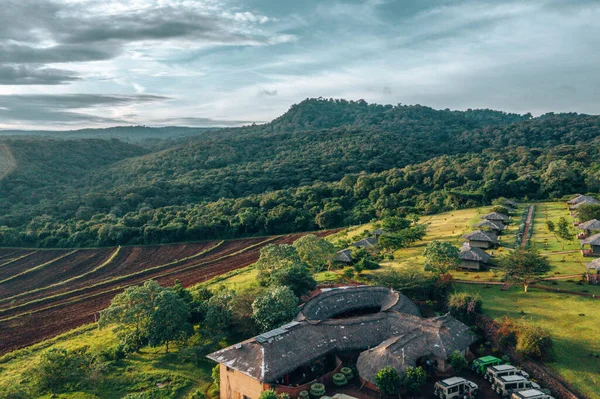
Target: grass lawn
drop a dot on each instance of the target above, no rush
(575, 337)
(138, 373)
(544, 240)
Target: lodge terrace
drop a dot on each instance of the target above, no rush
(363, 327)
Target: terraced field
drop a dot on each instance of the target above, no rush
(46, 292)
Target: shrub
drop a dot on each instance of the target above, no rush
(215, 374)
(317, 390)
(534, 342)
(388, 381)
(464, 306)
(303, 395)
(284, 395)
(197, 394)
(458, 362)
(339, 379)
(268, 394)
(414, 379)
(347, 371)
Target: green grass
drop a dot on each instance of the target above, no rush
(544, 240)
(575, 337)
(137, 373)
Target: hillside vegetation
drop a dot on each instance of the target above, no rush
(323, 164)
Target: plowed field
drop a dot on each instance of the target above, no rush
(46, 292)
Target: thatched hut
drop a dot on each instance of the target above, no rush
(594, 243)
(575, 199)
(495, 217)
(344, 257)
(593, 271)
(588, 227)
(493, 226)
(584, 200)
(370, 242)
(481, 239)
(473, 258)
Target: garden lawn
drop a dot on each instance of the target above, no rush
(544, 240)
(571, 320)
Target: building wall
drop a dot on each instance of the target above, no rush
(470, 264)
(236, 385)
(479, 244)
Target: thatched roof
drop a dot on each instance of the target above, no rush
(366, 242)
(585, 200)
(379, 232)
(270, 356)
(495, 216)
(438, 336)
(334, 301)
(345, 256)
(473, 253)
(511, 203)
(593, 224)
(592, 240)
(575, 199)
(595, 264)
(494, 225)
(479, 235)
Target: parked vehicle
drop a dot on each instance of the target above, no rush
(530, 394)
(455, 387)
(509, 384)
(502, 370)
(481, 364)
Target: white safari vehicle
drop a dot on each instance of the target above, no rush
(455, 387)
(507, 385)
(503, 370)
(530, 394)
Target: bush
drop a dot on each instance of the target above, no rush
(534, 342)
(347, 371)
(284, 395)
(388, 381)
(268, 394)
(317, 390)
(339, 379)
(303, 395)
(414, 379)
(464, 306)
(458, 362)
(197, 394)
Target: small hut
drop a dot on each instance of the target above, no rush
(593, 271)
(584, 200)
(473, 258)
(594, 243)
(344, 257)
(488, 225)
(588, 227)
(495, 217)
(379, 232)
(511, 204)
(575, 199)
(481, 239)
(367, 243)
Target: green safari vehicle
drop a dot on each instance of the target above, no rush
(481, 364)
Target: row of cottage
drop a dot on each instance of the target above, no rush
(589, 236)
(472, 254)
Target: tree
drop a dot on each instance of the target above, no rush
(464, 306)
(550, 226)
(315, 251)
(275, 307)
(388, 380)
(169, 320)
(500, 209)
(441, 257)
(534, 342)
(296, 277)
(587, 212)
(458, 362)
(402, 238)
(275, 257)
(393, 224)
(563, 229)
(524, 266)
(414, 379)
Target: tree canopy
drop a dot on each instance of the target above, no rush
(524, 266)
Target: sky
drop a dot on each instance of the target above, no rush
(67, 64)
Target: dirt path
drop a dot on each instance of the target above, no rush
(7, 161)
(527, 226)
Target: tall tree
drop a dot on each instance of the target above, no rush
(524, 266)
(441, 257)
(275, 307)
(169, 320)
(315, 251)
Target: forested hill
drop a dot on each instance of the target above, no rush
(324, 163)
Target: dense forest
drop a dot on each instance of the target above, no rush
(323, 164)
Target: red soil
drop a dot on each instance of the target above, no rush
(58, 309)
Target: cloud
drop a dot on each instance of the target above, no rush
(28, 75)
(267, 92)
(197, 122)
(69, 108)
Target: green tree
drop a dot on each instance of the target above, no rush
(393, 224)
(61, 370)
(441, 257)
(268, 394)
(315, 251)
(275, 257)
(550, 226)
(169, 320)
(388, 381)
(296, 277)
(587, 212)
(464, 306)
(534, 342)
(524, 266)
(458, 362)
(414, 379)
(277, 306)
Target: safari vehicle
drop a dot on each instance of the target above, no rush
(507, 385)
(530, 394)
(481, 364)
(503, 370)
(455, 387)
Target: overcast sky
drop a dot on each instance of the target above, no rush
(80, 63)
